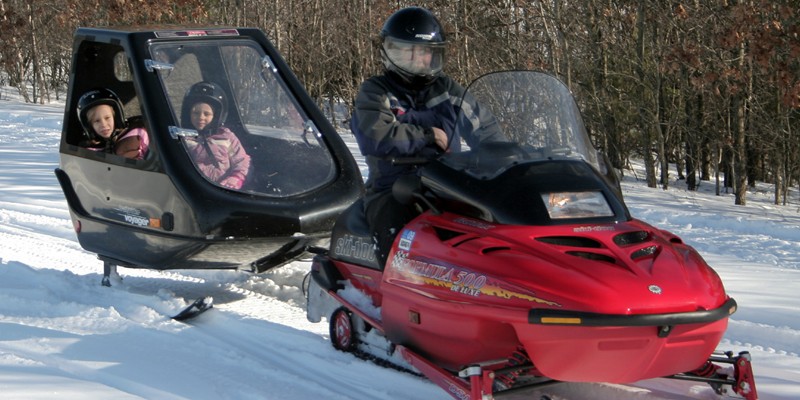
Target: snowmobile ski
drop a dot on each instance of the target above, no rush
(198, 307)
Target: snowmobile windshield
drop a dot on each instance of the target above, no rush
(526, 116)
(523, 156)
(255, 137)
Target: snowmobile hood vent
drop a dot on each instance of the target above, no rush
(644, 252)
(579, 242)
(446, 234)
(572, 241)
(592, 256)
(592, 249)
(629, 238)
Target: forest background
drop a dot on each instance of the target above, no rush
(712, 86)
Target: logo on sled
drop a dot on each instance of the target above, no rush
(654, 289)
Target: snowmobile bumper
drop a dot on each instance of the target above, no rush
(664, 322)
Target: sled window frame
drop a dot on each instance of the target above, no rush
(280, 154)
(98, 64)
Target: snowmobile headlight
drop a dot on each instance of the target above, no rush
(562, 205)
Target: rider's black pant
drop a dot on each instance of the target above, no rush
(386, 217)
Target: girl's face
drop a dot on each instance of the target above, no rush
(102, 119)
(201, 115)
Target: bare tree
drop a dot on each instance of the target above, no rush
(713, 87)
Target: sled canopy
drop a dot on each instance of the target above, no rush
(165, 211)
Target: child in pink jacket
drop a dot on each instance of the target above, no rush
(101, 115)
(216, 150)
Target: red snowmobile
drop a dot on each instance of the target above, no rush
(525, 268)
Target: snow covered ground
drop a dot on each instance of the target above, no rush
(64, 336)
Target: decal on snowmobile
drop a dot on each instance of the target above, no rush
(502, 293)
(355, 247)
(457, 392)
(596, 228)
(406, 239)
(458, 280)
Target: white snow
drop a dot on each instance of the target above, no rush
(63, 335)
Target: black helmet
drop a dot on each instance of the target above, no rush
(209, 93)
(97, 97)
(408, 34)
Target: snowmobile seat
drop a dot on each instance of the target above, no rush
(351, 240)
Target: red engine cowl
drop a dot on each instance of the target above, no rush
(604, 303)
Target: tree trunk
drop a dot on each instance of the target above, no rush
(740, 140)
(718, 158)
(660, 126)
(555, 60)
(645, 123)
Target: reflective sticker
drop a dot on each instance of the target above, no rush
(406, 239)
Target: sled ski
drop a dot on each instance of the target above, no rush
(198, 307)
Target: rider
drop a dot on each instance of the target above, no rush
(103, 119)
(408, 111)
(216, 150)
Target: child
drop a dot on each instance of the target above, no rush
(101, 115)
(216, 150)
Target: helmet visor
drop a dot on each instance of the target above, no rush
(415, 58)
